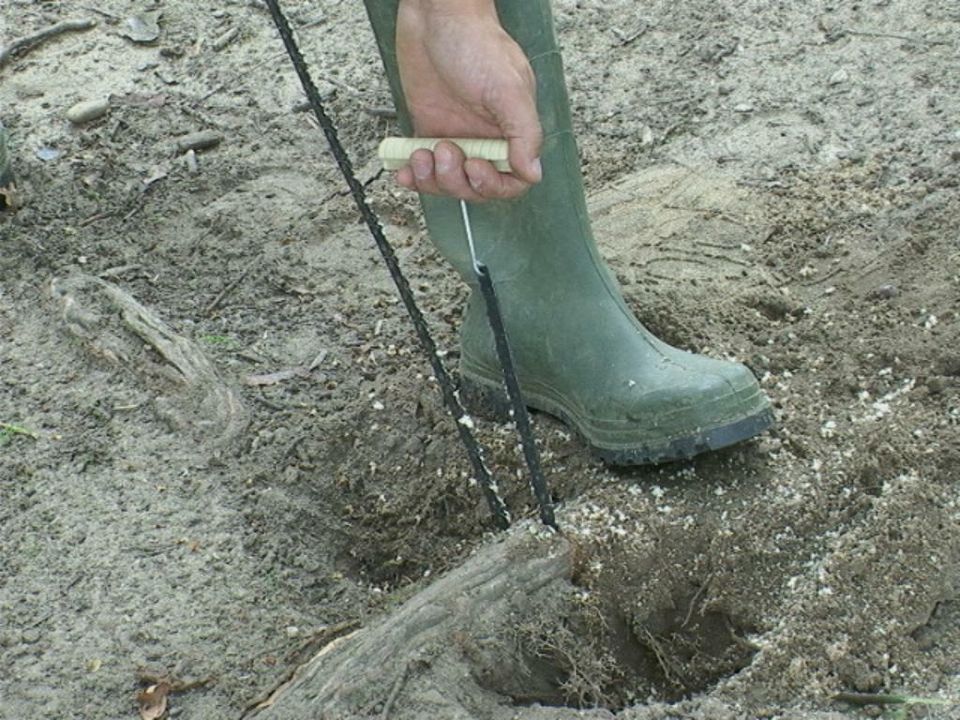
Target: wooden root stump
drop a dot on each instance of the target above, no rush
(442, 652)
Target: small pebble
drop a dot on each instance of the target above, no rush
(190, 158)
(839, 77)
(142, 28)
(886, 292)
(768, 446)
(201, 140)
(84, 112)
(30, 635)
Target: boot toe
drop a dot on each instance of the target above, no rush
(677, 410)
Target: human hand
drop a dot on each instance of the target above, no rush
(464, 76)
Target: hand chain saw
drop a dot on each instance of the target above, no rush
(392, 152)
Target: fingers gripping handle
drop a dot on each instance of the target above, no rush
(395, 152)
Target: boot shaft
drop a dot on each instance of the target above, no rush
(579, 352)
(510, 234)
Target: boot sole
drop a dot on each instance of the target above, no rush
(492, 401)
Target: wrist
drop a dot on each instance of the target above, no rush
(470, 8)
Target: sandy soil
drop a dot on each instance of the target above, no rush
(222, 449)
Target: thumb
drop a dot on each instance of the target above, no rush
(520, 125)
(524, 156)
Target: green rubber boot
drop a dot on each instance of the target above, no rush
(580, 353)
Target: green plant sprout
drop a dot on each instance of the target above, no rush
(9, 430)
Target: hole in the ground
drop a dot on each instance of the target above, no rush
(584, 656)
(688, 648)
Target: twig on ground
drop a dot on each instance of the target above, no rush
(246, 72)
(215, 303)
(377, 111)
(152, 677)
(625, 39)
(863, 699)
(94, 218)
(892, 36)
(303, 106)
(225, 39)
(318, 643)
(137, 205)
(100, 11)
(28, 42)
(213, 92)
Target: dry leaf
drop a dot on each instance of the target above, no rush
(153, 701)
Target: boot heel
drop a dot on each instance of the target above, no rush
(485, 401)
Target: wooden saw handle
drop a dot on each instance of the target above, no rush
(395, 152)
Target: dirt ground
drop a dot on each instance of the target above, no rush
(222, 448)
